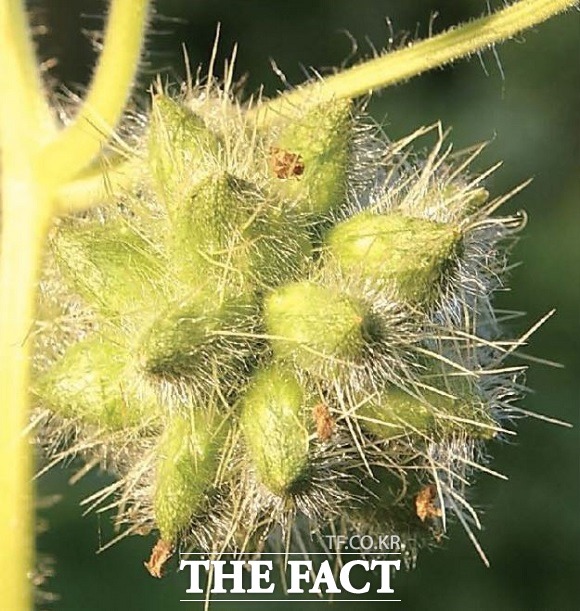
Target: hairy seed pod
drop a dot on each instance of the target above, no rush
(408, 254)
(180, 145)
(111, 266)
(226, 231)
(317, 327)
(188, 460)
(217, 206)
(274, 416)
(336, 308)
(320, 140)
(394, 412)
(198, 338)
(95, 383)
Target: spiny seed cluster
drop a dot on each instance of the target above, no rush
(278, 331)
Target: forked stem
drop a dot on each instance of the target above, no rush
(32, 171)
(77, 145)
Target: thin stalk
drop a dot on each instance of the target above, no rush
(96, 185)
(79, 143)
(419, 57)
(24, 77)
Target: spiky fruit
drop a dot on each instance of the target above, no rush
(259, 336)
(111, 265)
(274, 422)
(94, 382)
(395, 412)
(317, 327)
(197, 338)
(320, 140)
(188, 460)
(408, 254)
(181, 146)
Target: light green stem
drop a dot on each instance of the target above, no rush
(410, 61)
(82, 141)
(25, 123)
(24, 223)
(16, 42)
(96, 185)
(29, 182)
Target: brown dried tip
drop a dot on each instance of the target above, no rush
(323, 420)
(160, 554)
(285, 164)
(424, 503)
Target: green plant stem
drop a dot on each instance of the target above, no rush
(410, 61)
(96, 186)
(29, 181)
(25, 124)
(25, 78)
(24, 223)
(81, 142)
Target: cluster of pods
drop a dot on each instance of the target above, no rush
(278, 329)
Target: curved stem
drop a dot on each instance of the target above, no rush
(421, 56)
(23, 77)
(96, 185)
(81, 142)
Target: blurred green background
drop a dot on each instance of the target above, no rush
(529, 109)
